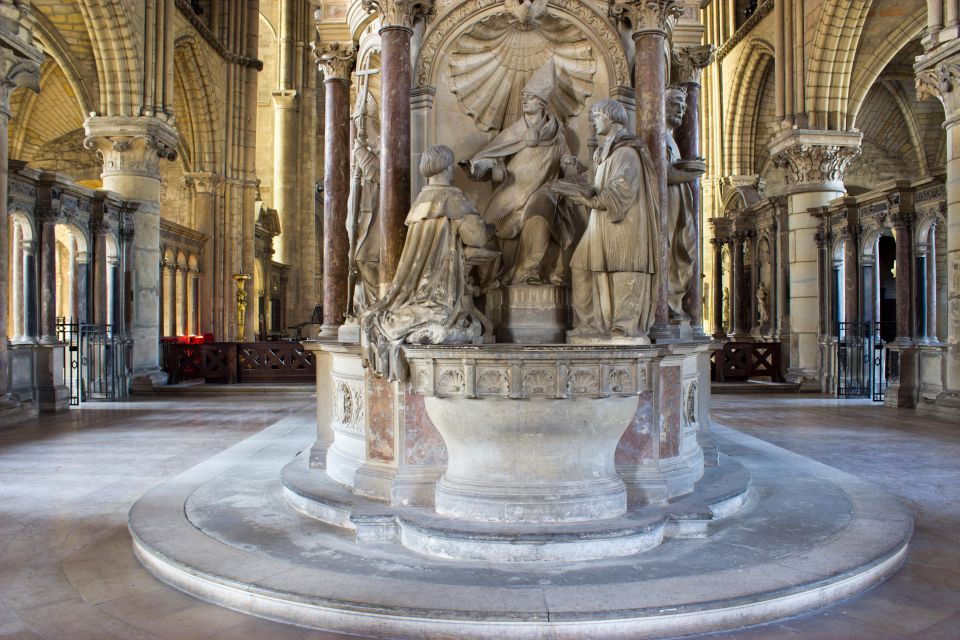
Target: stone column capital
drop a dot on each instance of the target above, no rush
(647, 16)
(285, 99)
(335, 59)
(398, 14)
(131, 146)
(938, 76)
(815, 160)
(689, 62)
(203, 182)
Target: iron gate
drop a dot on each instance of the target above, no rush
(95, 362)
(863, 363)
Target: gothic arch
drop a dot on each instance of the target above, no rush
(56, 47)
(831, 62)
(740, 128)
(449, 25)
(115, 48)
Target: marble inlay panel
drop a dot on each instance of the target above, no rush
(381, 444)
(636, 444)
(671, 395)
(422, 443)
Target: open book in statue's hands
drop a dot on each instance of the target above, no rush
(571, 189)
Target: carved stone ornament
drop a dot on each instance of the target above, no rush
(815, 164)
(398, 13)
(688, 62)
(690, 405)
(335, 59)
(647, 15)
(493, 61)
(348, 405)
(938, 82)
(446, 28)
(131, 146)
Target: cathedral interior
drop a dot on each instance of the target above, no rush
(308, 238)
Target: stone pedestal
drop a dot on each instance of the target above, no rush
(52, 393)
(529, 314)
(904, 372)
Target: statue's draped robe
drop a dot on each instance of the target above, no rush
(614, 264)
(682, 240)
(532, 156)
(425, 301)
(367, 252)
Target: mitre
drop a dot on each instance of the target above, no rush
(543, 82)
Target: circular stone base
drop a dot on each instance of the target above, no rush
(807, 537)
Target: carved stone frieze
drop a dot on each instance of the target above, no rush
(335, 59)
(590, 374)
(689, 62)
(131, 146)
(648, 15)
(398, 13)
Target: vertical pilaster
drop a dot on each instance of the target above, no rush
(30, 297)
(903, 231)
(336, 61)
(718, 329)
(204, 201)
(738, 302)
(48, 279)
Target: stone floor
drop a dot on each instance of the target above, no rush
(67, 570)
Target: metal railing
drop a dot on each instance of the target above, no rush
(96, 361)
(863, 360)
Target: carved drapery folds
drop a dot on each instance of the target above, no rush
(335, 59)
(493, 61)
(648, 15)
(131, 146)
(689, 62)
(399, 14)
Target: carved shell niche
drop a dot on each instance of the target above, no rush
(494, 59)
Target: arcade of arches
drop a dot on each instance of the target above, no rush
(155, 150)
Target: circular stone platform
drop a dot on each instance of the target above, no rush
(807, 536)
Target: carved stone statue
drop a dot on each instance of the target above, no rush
(430, 300)
(763, 304)
(533, 225)
(363, 225)
(681, 214)
(613, 266)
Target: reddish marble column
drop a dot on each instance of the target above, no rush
(903, 228)
(687, 66)
(336, 188)
(396, 77)
(737, 301)
(48, 280)
(336, 61)
(650, 74)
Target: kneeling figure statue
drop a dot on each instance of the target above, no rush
(430, 300)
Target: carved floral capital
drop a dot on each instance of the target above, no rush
(202, 182)
(335, 59)
(131, 146)
(398, 13)
(942, 82)
(805, 164)
(648, 15)
(688, 62)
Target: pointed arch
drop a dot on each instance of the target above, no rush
(831, 63)
(200, 120)
(741, 124)
(116, 48)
